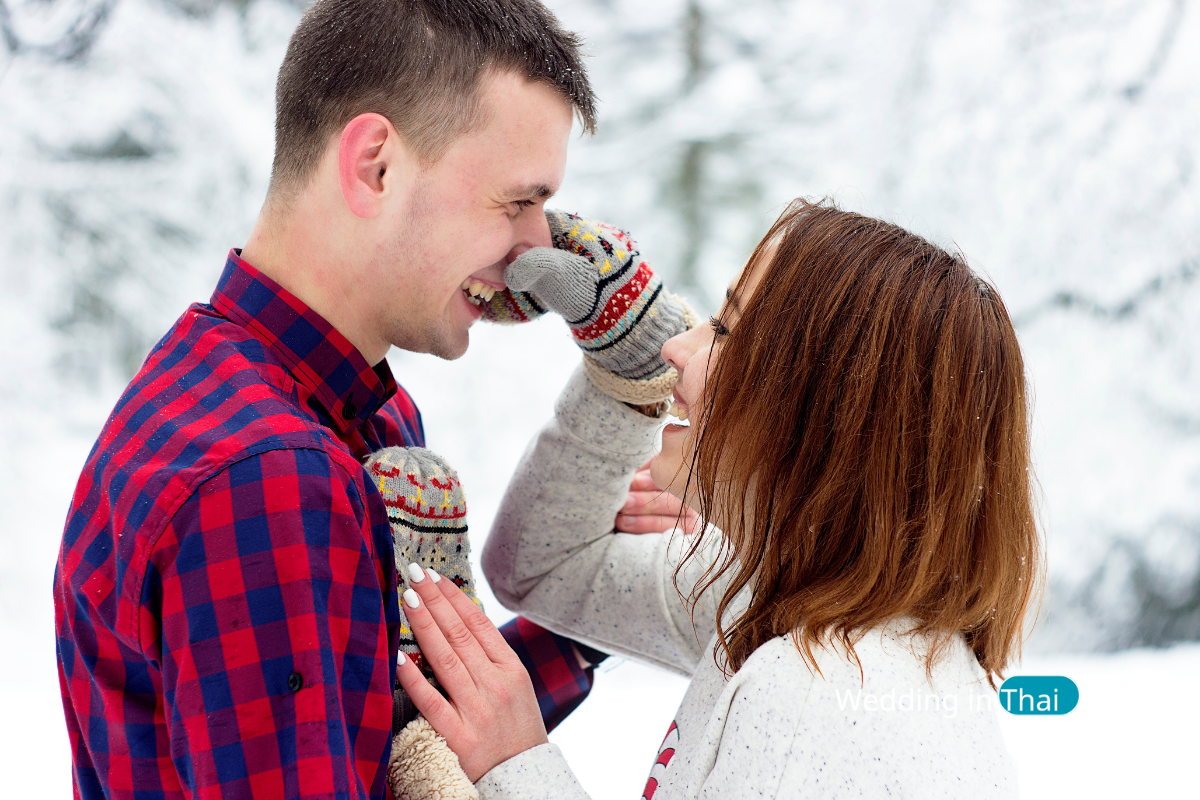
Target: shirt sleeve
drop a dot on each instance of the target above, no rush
(559, 681)
(276, 662)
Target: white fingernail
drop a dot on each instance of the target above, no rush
(415, 573)
(410, 598)
(400, 659)
(433, 574)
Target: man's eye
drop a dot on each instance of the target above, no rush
(525, 203)
(718, 326)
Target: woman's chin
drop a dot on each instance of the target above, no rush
(668, 473)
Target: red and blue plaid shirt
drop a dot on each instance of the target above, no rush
(225, 596)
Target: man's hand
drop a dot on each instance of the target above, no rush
(649, 509)
(492, 712)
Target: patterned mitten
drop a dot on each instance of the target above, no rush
(508, 307)
(617, 308)
(425, 505)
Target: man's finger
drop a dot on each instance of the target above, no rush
(641, 523)
(642, 482)
(653, 503)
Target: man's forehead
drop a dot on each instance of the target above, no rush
(519, 152)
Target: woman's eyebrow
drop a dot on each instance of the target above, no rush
(731, 298)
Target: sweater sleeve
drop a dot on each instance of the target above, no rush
(540, 773)
(553, 555)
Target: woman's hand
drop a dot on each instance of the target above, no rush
(492, 713)
(649, 509)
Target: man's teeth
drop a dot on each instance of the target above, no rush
(677, 412)
(477, 291)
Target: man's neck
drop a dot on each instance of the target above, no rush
(298, 248)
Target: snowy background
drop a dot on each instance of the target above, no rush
(1055, 141)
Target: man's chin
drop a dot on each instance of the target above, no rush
(448, 343)
(451, 355)
(450, 347)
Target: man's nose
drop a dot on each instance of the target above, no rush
(532, 230)
(675, 351)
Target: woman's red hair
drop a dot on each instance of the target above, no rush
(865, 445)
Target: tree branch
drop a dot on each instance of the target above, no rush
(74, 43)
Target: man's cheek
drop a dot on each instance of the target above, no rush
(483, 245)
(504, 244)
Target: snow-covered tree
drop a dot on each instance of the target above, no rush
(1055, 143)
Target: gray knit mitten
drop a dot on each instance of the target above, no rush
(428, 513)
(617, 308)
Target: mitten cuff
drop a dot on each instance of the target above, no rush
(423, 767)
(646, 391)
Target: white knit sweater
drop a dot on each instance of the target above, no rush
(776, 728)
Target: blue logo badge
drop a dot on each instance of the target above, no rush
(1039, 694)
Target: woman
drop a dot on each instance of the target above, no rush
(859, 440)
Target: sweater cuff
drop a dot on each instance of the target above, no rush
(596, 419)
(539, 773)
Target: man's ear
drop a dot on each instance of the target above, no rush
(367, 147)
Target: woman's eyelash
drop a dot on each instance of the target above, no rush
(718, 327)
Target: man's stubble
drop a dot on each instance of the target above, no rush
(420, 320)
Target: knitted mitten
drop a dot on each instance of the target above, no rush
(617, 308)
(425, 505)
(510, 307)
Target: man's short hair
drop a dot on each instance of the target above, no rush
(416, 62)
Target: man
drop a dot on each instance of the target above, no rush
(225, 595)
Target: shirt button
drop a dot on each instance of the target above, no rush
(349, 411)
(295, 681)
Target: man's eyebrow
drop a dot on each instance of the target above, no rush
(527, 192)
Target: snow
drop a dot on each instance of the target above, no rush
(1132, 735)
(1054, 143)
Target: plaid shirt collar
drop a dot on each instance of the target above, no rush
(322, 360)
